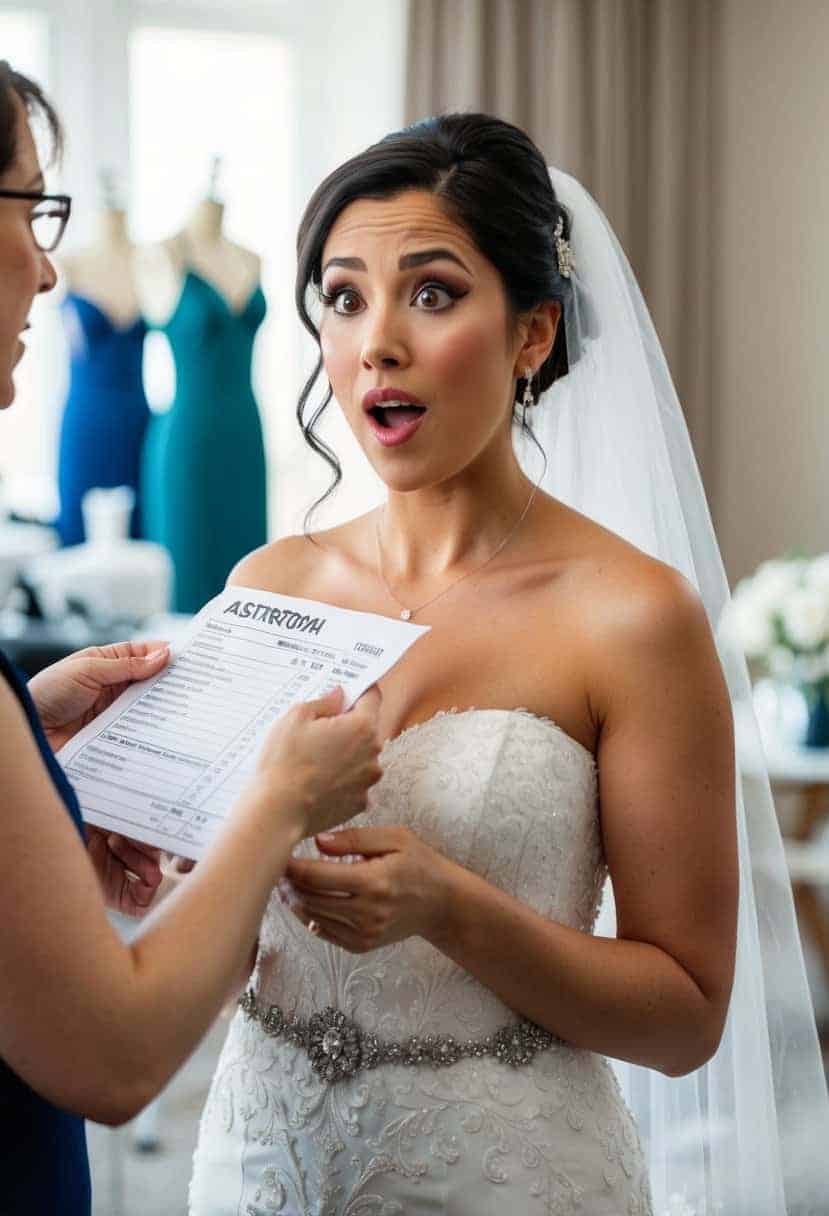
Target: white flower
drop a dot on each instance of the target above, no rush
(774, 581)
(811, 668)
(817, 573)
(805, 617)
(781, 662)
(679, 1206)
(749, 623)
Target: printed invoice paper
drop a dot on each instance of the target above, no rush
(165, 763)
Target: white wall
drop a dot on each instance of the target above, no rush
(771, 255)
(351, 76)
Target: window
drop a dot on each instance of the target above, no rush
(28, 431)
(196, 96)
(155, 89)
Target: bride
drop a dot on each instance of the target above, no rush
(428, 1019)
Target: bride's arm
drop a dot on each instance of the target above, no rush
(657, 994)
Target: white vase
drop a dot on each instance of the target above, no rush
(110, 578)
(19, 543)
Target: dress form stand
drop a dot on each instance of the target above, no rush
(106, 412)
(203, 473)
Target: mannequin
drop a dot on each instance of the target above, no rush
(106, 412)
(203, 292)
(103, 271)
(200, 246)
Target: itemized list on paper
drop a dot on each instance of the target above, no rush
(165, 763)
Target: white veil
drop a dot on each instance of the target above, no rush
(747, 1134)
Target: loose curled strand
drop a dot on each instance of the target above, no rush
(314, 441)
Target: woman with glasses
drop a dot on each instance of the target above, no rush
(90, 1026)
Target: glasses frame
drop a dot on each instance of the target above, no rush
(37, 196)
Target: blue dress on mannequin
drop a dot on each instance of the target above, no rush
(44, 1169)
(106, 413)
(203, 478)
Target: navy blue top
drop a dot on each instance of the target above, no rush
(44, 1169)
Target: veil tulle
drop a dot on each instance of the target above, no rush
(748, 1133)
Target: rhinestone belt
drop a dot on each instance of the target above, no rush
(338, 1049)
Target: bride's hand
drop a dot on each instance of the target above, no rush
(397, 891)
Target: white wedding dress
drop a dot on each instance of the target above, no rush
(513, 798)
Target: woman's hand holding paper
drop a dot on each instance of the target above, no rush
(328, 758)
(72, 692)
(68, 695)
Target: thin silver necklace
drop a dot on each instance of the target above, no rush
(406, 614)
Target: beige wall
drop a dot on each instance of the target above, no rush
(770, 224)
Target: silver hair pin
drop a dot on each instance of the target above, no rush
(564, 250)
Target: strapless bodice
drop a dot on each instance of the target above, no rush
(514, 798)
(505, 794)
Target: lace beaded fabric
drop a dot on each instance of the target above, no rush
(513, 798)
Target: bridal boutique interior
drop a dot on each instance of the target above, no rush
(197, 129)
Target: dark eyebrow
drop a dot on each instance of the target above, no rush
(348, 263)
(407, 262)
(429, 255)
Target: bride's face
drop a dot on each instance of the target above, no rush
(411, 306)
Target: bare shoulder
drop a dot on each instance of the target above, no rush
(648, 629)
(283, 566)
(618, 590)
(296, 564)
(643, 600)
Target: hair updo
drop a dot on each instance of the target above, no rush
(492, 180)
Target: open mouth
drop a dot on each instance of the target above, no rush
(392, 416)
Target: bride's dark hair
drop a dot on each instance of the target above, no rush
(492, 180)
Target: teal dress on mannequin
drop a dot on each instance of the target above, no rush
(203, 481)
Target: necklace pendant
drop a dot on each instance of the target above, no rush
(406, 614)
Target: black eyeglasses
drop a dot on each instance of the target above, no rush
(48, 218)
